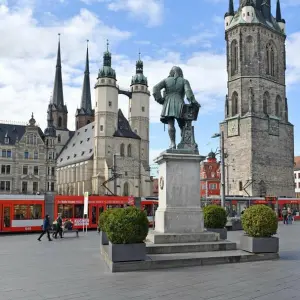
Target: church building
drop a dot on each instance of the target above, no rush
(107, 154)
(258, 137)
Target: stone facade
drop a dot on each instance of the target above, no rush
(27, 160)
(258, 137)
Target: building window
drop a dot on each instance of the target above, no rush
(36, 155)
(3, 153)
(59, 137)
(212, 186)
(36, 170)
(35, 187)
(101, 127)
(52, 171)
(278, 105)
(122, 150)
(50, 155)
(234, 104)
(26, 154)
(109, 103)
(266, 101)
(24, 186)
(143, 108)
(240, 185)
(25, 170)
(5, 186)
(5, 169)
(298, 185)
(8, 153)
(129, 150)
(298, 175)
(234, 57)
(52, 187)
(126, 189)
(6, 140)
(270, 59)
(60, 122)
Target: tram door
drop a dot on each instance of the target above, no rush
(5, 217)
(95, 212)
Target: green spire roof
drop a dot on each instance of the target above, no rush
(139, 77)
(107, 70)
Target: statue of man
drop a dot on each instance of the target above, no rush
(176, 88)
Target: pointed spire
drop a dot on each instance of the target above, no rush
(278, 12)
(139, 77)
(139, 65)
(107, 56)
(231, 8)
(58, 96)
(86, 102)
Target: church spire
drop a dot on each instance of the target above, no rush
(230, 12)
(107, 71)
(278, 11)
(58, 96)
(50, 130)
(86, 102)
(139, 77)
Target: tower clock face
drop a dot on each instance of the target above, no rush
(232, 127)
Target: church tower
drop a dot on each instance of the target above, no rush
(258, 137)
(106, 120)
(139, 110)
(85, 114)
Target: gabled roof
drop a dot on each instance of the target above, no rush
(124, 129)
(14, 133)
(80, 147)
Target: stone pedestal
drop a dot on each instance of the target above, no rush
(179, 209)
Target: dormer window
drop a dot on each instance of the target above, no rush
(6, 140)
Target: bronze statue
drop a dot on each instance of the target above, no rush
(176, 88)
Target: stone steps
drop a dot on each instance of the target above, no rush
(179, 260)
(190, 247)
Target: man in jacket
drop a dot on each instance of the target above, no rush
(46, 227)
(58, 227)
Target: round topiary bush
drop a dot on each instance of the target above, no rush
(127, 226)
(102, 219)
(259, 221)
(214, 216)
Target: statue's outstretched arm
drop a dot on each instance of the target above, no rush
(157, 92)
(189, 93)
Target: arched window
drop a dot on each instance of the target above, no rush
(266, 101)
(234, 104)
(59, 138)
(126, 189)
(122, 150)
(129, 150)
(278, 106)
(270, 59)
(59, 121)
(234, 57)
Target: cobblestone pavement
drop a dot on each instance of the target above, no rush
(72, 269)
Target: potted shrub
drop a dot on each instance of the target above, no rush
(260, 224)
(127, 229)
(101, 224)
(215, 219)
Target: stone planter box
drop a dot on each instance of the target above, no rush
(259, 244)
(126, 252)
(103, 238)
(221, 231)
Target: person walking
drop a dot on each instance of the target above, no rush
(284, 215)
(46, 227)
(58, 227)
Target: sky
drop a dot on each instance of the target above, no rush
(188, 33)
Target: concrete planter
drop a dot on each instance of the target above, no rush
(103, 238)
(222, 232)
(259, 244)
(126, 252)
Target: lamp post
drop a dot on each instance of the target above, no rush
(221, 136)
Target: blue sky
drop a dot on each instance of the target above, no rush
(167, 32)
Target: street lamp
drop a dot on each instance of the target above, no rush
(221, 135)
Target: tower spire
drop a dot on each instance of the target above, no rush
(58, 96)
(278, 12)
(231, 8)
(86, 102)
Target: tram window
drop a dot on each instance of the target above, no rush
(35, 211)
(6, 219)
(78, 210)
(65, 210)
(94, 218)
(20, 212)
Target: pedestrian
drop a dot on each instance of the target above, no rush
(289, 216)
(46, 227)
(58, 227)
(284, 215)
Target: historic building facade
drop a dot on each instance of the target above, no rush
(108, 154)
(258, 137)
(210, 177)
(27, 158)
